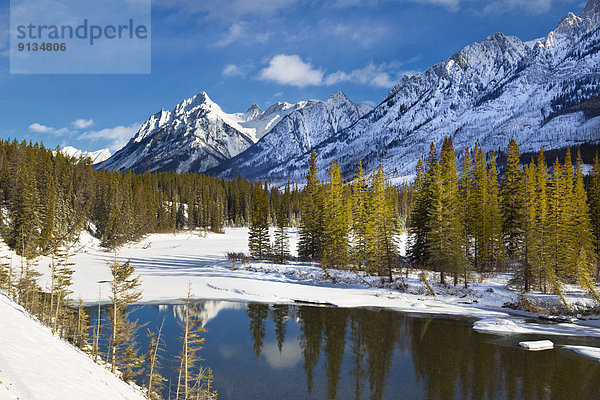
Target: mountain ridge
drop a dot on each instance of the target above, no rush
(541, 92)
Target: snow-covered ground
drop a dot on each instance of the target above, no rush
(167, 262)
(36, 365)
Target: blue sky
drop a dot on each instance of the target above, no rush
(259, 51)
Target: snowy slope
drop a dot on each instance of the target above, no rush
(34, 364)
(296, 134)
(541, 93)
(96, 156)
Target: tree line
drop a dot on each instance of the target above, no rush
(50, 198)
(542, 222)
(341, 225)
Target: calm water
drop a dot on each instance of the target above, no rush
(301, 352)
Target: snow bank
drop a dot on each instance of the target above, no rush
(537, 345)
(517, 326)
(592, 352)
(34, 364)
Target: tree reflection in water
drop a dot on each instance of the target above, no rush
(449, 359)
(260, 351)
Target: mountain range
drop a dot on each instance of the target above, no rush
(541, 92)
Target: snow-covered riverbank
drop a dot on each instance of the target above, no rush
(36, 365)
(167, 262)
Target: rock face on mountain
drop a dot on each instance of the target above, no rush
(197, 135)
(542, 92)
(296, 134)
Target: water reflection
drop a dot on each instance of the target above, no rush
(260, 351)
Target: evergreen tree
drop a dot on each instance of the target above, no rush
(381, 245)
(512, 202)
(480, 216)
(335, 235)
(311, 203)
(446, 245)
(557, 233)
(418, 217)
(125, 291)
(258, 240)
(282, 241)
(525, 271)
(360, 220)
(594, 199)
(469, 203)
(494, 216)
(584, 260)
(539, 251)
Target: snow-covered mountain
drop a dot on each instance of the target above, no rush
(541, 92)
(195, 136)
(96, 156)
(297, 133)
(544, 92)
(198, 135)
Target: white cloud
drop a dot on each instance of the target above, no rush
(82, 123)
(236, 32)
(117, 136)
(39, 128)
(372, 75)
(500, 7)
(365, 34)
(452, 5)
(227, 9)
(232, 70)
(239, 31)
(291, 70)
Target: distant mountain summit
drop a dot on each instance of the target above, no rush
(297, 133)
(96, 156)
(541, 92)
(198, 135)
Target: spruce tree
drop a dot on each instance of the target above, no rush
(125, 291)
(360, 209)
(594, 199)
(469, 204)
(512, 203)
(479, 217)
(311, 203)
(494, 216)
(258, 240)
(540, 252)
(282, 245)
(336, 224)
(381, 243)
(557, 233)
(417, 222)
(582, 266)
(446, 246)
